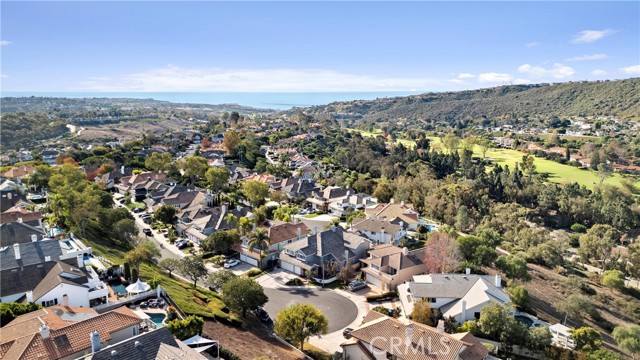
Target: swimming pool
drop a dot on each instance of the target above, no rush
(524, 319)
(118, 287)
(157, 318)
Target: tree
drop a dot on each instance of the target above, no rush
(514, 267)
(493, 319)
(231, 141)
(184, 329)
(145, 252)
(242, 294)
(194, 167)
(9, 311)
(125, 229)
(259, 239)
(633, 265)
(169, 264)
(165, 214)
(628, 338)
(539, 338)
(604, 171)
(519, 296)
(613, 279)
(383, 191)
(283, 213)
(245, 224)
(217, 279)
(575, 305)
(220, 242)
(354, 215)
(300, 321)
(422, 313)
(159, 161)
(463, 219)
(451, 142)
(40, 178)
(216, 177)
(193, 268)
(586, 339)
(603, 354)
(255, 191)
(598, 242)
(529, 164)
(485, 145)
(231, 220)
(441, 254)
(476, 250)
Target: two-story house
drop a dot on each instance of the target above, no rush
(380, 231)
(389, 266)
(49, 156)
(65, 332)
(210, 220)
(279, 234)
(401, 211)
(324, 254)
(320, 200)
(459, 295)
(350, 202)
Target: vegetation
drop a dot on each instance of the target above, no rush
(243, 294)
(299, 322)
(184, 329)
(422, 313)
(628, 338)
(9, 311)
(217, 279)
(193, 268)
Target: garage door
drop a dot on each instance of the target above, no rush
(291, 268)
(249, 260)
(374, 281)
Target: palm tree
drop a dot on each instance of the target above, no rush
(245, 224)
(259, 240)
(231, 219)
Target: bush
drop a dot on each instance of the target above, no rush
(253, 273)
(613, 279)
(383, 297)
(294, 282)
(579, 228)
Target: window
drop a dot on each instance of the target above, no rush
(375, 267)
(476, 315)
(50, 302)
(393, 271)
(135, 330)
(432, 300)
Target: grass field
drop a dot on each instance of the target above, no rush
(556, 172)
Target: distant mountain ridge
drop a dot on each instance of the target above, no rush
(620, 98)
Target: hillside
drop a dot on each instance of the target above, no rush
(619, 98)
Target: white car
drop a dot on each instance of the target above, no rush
(231, 263)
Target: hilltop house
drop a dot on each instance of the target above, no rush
(383, 337)
(334, 246)
(389, 266)
(459, 295)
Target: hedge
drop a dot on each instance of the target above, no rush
(383, 297)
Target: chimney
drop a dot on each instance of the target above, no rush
(498, 281)
(114, 354)
(467, 271)
(44, 331)
(315, 231)
(137, 344)
(409, 333)
(382, 235)
(80, 260)
(440, 326)
(16, 250)
(333, 228)
(122, 169)
(391, 201)
(239, 208)
(95, 341)
(20, 220)
(34, 238)
(47, 258)
(9, 195)
(29, 295)
(402, 203)
(224, 209)
(65, 300)
(405, 251)
(299, 233)
(463, 310)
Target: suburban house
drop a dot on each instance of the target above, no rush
(561, 336)
(156, 344)
(395, 212)
(296, 188)
(210, 220)
(49, 156)
(19, 232)
(140, 184)
(350, 202)
(279, 235)
(459, 295)
(16, 214)
(380, 231)
(389, 266)
(263, 178)
(320, 200)
(49, 272)
(177, 196)
(109, 180)
(12, 198)
(65, 332)
(382, 337)
(330, 246)
(19, 172)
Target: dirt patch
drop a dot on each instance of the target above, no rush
(131, 130)
(249, 343)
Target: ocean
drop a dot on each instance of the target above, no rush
(266, 100)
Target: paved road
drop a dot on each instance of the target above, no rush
(340, 311)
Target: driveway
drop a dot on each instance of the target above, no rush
(339, 310)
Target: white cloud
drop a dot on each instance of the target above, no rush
(3, 76)
(494, 78)
(4, 42)
(532, 44)
(456, 81)
(465, 76)
(588, 36)
(588, 57)
(557, 71)
(633, 70)
(598, 72)
(175, 78)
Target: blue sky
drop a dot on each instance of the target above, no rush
(313, 46)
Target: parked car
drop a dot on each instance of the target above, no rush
(138, 210)
(231, 263)
(147, 231)
(347, 333)
(181, 244)
(262, 315)
(356, 285)
(154, 303)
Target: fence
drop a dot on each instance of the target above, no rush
(129, 299)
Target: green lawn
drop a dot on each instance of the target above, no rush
(136, 205)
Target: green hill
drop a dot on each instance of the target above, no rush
(619, 98)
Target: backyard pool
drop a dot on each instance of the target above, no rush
(524, 319)
(157, 318)
(118, 287)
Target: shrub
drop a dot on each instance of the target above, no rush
(383, 297)
(579, 228)
(294, 282)
(253, 273)
(613, 279)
